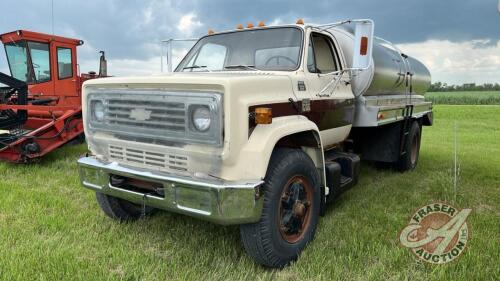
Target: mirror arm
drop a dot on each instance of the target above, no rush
(337, 74)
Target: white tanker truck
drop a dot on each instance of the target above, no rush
(258, 126)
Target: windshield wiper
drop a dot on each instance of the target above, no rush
(194, 66)
(251, 67)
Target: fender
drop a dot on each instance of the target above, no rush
(256, 153)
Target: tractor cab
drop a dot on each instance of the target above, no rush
(40, 106)
(47, 63)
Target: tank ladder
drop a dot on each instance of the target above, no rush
(408, 110)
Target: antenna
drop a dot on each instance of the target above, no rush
(52, 17)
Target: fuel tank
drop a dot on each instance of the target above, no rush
(390, 73)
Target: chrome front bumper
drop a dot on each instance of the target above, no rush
(220, 202)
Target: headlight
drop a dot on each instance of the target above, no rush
(201, 118)
(97, 109)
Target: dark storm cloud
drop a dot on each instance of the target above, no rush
(396, 20)
(128, 29)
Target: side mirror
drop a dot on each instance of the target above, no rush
(363, 44)
(168, 45)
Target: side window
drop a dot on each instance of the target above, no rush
(324, 57)
(40, 59)
(211, 57)
(311, 62)
(64, 63)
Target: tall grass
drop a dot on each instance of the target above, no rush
(51, 228)
(478, 98)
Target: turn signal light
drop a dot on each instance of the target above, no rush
(381, 116)
(263, 115)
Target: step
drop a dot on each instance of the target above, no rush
(342, 172)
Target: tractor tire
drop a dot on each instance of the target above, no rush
(409, 160)
(290, 210)
(119, 209)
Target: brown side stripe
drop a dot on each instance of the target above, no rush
(325, 113)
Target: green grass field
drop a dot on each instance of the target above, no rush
(471, 97)
(52, 229)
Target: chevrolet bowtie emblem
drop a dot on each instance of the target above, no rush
(140, 114)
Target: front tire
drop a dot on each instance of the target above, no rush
(290, 212)
(119, 209)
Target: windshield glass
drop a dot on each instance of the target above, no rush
(36, 70)
(252, 49)
(17, 56)
(40, 60)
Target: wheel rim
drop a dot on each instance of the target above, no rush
(414, 149)
(295, 209)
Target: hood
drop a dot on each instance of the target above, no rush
(184, 79)
(247, 87)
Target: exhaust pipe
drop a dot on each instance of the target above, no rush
(103, 65)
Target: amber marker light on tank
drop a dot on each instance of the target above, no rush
(263, 115)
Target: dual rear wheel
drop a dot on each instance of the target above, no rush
(411, 146)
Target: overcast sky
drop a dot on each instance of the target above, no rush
(459, 40)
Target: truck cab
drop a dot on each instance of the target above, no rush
(258, 126)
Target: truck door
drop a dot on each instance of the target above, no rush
(65, 72)
(332, 101)
(323, 62)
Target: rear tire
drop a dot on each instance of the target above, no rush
(290, 212)
(409, 160)
(119, 209)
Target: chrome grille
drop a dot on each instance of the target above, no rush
(154, 115)
(177, 163)
(162, 115)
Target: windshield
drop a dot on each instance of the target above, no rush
(253, 49)
(29, 61)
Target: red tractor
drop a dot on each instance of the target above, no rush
(40, 102)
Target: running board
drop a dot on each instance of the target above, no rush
(342, 172)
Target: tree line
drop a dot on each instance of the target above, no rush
(443, 87)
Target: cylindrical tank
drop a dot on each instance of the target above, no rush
(389, 70)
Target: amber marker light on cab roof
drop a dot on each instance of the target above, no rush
(250, 25)
(211, 31)
(263, 115)
(300, 21)
(261, 24)
(239, 26)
